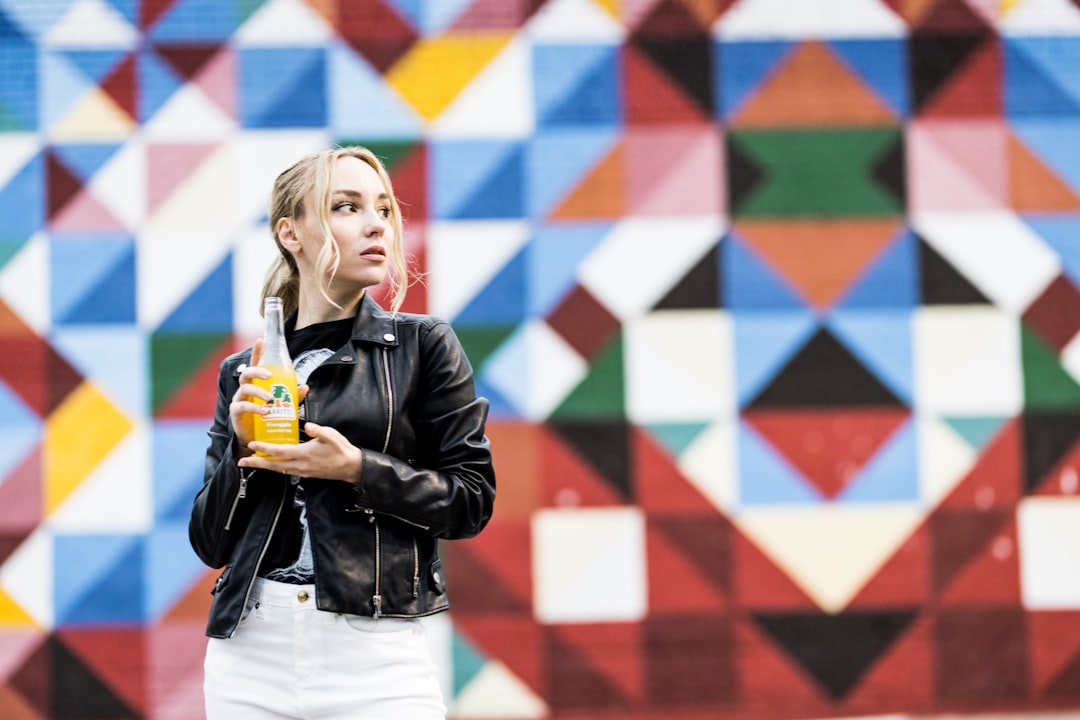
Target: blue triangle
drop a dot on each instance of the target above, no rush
(62, 85)
(96, 64)
(579, 85)
(22, 202)
(283, 87)
(30, 19)
(502, 194)
(499, 408)
(882, 341)
(892, 475)
(877, 62)
(156, 82)
(169, 568)
(1042, 77)
(113, 357)
(1057, 144)
(98, 579)
(502, 301)
(19, 89)
(178, 450)
(765, 478)
(740, 68)
(197, 21)
(458, 169)
(128, 8)
(209, 307)
(764, 342)
(749, 283)
(559, 159)
(891, 280)
(81, 268)
(1060, 233)
(360, 103)
(554, 255)
(22, 430)
(86, 160)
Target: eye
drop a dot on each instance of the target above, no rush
(385, 212)
(344, 206)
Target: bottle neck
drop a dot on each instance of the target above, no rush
(275, 349)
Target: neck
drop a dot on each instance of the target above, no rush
(318, 309)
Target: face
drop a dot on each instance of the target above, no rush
(360, 221)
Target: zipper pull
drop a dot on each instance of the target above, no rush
(370, 515)
(416, 586)
(243, 486)
(377, 601)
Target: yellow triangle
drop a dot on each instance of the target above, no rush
(78, 435)
(12, 615)
(611, 7)
(95, 117)
(435, 70)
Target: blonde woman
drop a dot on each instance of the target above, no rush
(329, 546)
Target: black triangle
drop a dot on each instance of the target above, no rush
(78, 693)
(824, 373)
(942, 284)
(700, 288)
(890, 172)
(744, 174)
(686, 60)
(836, 650)
(1047, 438)
(604, 445)
(933, 60)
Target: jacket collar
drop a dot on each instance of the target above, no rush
(374, 324)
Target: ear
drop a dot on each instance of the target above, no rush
(286, 233)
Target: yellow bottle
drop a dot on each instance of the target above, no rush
(281, 423)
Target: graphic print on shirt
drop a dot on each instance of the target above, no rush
(302, 569)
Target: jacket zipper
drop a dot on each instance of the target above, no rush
(262, 554)
(389, 400)
(241, 493)
(415, 570)
(376, 599)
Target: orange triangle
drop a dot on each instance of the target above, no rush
(15, 705)
(600, 194)
(518, 456)
(194, 605)
(1034, 186)
(822, 258)
(793, 95)
(828, 447)
(912, 11)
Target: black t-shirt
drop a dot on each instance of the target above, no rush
(288, 558)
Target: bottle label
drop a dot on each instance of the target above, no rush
(281, 406)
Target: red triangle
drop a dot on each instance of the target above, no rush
(568, 481)
(1054, 644)
(150, 11)
(187, 59)
(659, 485)
(516, 640)
(62, 184)
(611, 650)
(904, 579)
(651, 97)
(829, 447)
(501, 556)
(194, 399)
(759, 584)
(121, 85)
(1063, 480)
(772, 685)
(905, 671)
(675, 584)
(410, 179)
(116, 656)
(974, 90)
(39, 375)
(996, 479)
(21, 497)
(600, 195)
(375, 30)
(169, 165)
(990, 576)
(951, 16)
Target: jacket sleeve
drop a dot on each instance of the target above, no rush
(219, 515)
(450, 493)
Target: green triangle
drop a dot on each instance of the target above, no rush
(173, 359)
(676, 437)
(976, 431)
(246, 8)
(1047, 385)
(481, 342)
(467, 662)
(601, 393)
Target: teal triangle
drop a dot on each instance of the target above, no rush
(976, 431)
(467, 661)
(677, 437)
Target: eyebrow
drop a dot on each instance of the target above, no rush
(357, 195)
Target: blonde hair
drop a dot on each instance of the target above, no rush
(312, 175)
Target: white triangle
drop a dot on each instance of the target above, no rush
(830, 551)
(463, 257)
(710, 464)
(997, 251)
(1049, 537)
(27, 576)
(189, 116)
(116, 496)
(683, 354)
(283, 23)
(641, 259)
(945, 458)
(1041, 17)
(16, 150)
(498, 694)
(24, 284)
(576, 20)
(535, 369)
(504, 83)
(783, 19)
(92, 24)
(120, 184)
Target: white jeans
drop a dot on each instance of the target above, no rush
(288, 659)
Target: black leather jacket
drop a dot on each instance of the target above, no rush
(402, 391)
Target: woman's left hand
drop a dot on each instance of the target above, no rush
(328, 455)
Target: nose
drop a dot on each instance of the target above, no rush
(376, 224)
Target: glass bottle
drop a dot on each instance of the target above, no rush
(281, 422)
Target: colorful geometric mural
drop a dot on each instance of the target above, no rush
(777, 306)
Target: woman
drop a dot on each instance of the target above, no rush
(329, 546)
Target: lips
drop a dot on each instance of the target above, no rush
(375, 252)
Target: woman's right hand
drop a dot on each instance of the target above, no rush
(248, 399)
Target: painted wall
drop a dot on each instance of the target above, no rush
(776, 304)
